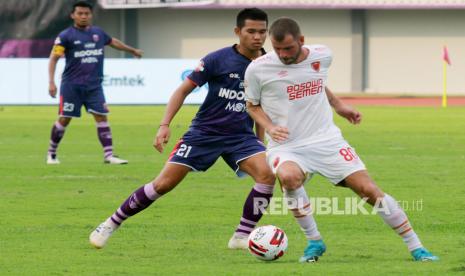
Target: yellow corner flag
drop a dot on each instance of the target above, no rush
(446, 59)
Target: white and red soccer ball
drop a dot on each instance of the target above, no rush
(267, 243)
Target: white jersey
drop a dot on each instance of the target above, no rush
(294, 95)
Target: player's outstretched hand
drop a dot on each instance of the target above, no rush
(162, 138)
(137, 53)
(350, 113)
(52, 90)
(278, 133)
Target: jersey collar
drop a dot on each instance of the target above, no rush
(237, 52)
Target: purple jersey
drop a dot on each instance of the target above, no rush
(223, 112)
(84, 54)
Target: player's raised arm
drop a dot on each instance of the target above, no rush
(344, 110)
(119, 45)
(174, 104)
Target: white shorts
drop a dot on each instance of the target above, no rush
(334, 159)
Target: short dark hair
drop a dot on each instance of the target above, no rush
(83, 4)
(284, 26)
(252, 14)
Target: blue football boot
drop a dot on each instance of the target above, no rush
(423, 255)
(314, 250)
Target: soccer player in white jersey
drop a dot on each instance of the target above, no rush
(285, 93)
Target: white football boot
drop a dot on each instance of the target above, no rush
(238, 241)
(52, 160)
(99, 237)
(114, 160)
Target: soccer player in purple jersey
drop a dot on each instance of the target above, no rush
(221, 127)
(82, 45)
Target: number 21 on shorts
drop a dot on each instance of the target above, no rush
(183, 150)
(348, 154)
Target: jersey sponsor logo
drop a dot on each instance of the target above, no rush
(89, 60)
(298, 91)
(89, 45)
(282, 74)
(234, 76)
(87, 53)
(231, 94)
(316, 66)
(235, 106)
(95, 37)
(77, 42)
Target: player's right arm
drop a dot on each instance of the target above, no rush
(174, 104)
(253, 90)
(58, 51)
(277, 133)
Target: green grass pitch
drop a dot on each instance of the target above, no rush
(47, 212)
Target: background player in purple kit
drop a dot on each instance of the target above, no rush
(221, 127)
(81, 84)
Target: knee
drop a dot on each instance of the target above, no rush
(290, 181)
(163, 185)
(64, 121)
(372, 193)
(266, 178)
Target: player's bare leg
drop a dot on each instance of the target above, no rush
(106, 140)
(257, 200)
(361, 183)
(170, 176)
(58, 130)
(292, 178)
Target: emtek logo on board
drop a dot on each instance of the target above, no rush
(124, 81)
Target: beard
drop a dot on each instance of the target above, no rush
(293, 59)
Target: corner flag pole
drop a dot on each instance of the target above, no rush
(446, 61)
(444, 84)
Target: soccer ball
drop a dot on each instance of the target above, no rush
(267, 243)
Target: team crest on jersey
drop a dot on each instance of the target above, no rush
(200, 67)
(95, 37)
(316, 66)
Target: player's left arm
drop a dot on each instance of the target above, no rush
(344, 110)
(119, 45)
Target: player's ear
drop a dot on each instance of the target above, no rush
(302, 39)
(237, 31)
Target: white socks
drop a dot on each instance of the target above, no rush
(395, 217)
(299, 204)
